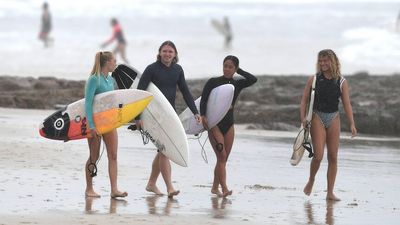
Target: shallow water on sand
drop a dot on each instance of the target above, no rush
(41, 176)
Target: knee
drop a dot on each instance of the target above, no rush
(332, 158)
(317, 159)
(221, 157)
(112, 156)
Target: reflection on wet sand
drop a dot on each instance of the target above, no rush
(89, 204)
(114, 204)
(219, 209)
(329, 217)
(151, 204)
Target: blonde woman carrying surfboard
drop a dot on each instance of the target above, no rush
(325, 123)
(98, 82)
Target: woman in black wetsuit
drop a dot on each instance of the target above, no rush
(221, 136)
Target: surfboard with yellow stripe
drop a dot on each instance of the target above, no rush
(110, 110)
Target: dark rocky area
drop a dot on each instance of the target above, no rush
(272, 103)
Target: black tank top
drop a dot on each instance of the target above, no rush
(327, 93)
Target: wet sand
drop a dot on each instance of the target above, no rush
(42, 181)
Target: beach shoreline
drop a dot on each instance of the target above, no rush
(43, 181)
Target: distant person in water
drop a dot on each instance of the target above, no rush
(228, 35)
(330, 86)
(225, 29)
(45, 25)
(119, 36)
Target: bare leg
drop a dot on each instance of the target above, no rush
(165, 168)
(213, 133)
(122, 48)
(318, 135)
(228, 137)
(94, 149)
(155, 171)
(332, 142)
(111, 141)
(220, 168)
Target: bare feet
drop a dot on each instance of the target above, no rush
(91, 194)
(308, 188)
(227, 193)
(217, 192)
(332, 197)
(173, 193)
(154, 189)
(119, 194)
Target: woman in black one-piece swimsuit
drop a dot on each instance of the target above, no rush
(221, 136)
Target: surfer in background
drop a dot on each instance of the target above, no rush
(225, 29)
(45, 25)
(121, 42)
(325, 123)
(167, 75)
(228, 35)
(99, 82)
(221, 136)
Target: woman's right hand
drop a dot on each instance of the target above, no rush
(94, 133)
(205, 122)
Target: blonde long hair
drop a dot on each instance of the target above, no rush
(100, 60)
(335, 64)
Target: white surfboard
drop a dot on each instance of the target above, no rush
(303, 135)
(162, 125)
(218, 104)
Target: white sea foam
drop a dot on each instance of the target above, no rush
(270, 37)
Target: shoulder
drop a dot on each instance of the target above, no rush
(93, 78)
(177, 67)
(151, 67)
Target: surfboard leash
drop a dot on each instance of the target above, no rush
(306, 143)
(146, 137)
(92, 166)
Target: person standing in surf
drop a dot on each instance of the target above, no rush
(119, 36)
(45, 25)
(167, 75)
(221, 136)
(99, 82)
(325, 124)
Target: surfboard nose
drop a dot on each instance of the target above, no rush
(41, 131)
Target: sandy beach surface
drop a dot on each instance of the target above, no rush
(42, 181)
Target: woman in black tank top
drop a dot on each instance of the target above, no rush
(330, 86)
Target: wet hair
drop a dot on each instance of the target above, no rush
(335, 64)
(234, 59)
(100, 61)
(169, 43)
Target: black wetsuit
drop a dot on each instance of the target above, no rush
(239, 84)
(167, 79)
